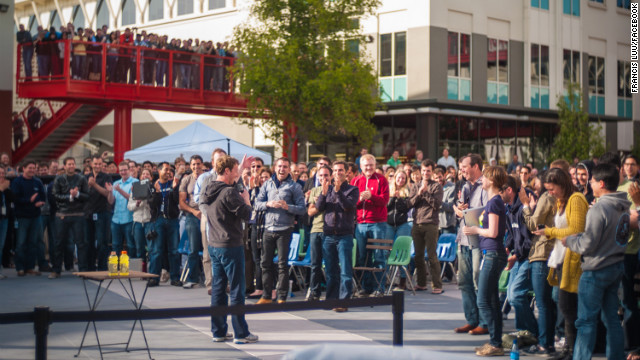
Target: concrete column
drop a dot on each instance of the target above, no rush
(6, 77)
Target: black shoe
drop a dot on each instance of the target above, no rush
(153, 283)
(176, 283)
(45, 268)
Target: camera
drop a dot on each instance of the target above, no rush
(151, 235)
(541, 227)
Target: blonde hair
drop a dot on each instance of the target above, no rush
(368, 157)
(404, 190)
(497, 175)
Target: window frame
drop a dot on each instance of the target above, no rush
(391, 62)
(538, 83)
(498, 82)
(458, 78)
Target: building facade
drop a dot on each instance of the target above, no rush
(468, 75)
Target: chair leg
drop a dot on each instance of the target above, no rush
(409, 280)
(392, 279)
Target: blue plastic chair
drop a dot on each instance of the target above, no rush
(296, 267)
(447, 251)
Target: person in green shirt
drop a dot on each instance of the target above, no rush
(316, 234)
(395, 159)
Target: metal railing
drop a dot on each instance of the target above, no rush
(42, 316)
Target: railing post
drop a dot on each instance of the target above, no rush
(41, 328)
(103, 67)
(397, 308)
(18, 65)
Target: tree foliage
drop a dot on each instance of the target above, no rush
(577, 136)
(297, 65)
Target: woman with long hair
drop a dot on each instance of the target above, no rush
(398, 212)
(141, 218)
(565, 267)
(491, 233)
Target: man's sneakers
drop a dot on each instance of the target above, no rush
(489, 350)
(33, 272)
(246, 340)
(164, 276)
(340, 309)
(264, 301)
(189, 285)
(479, 331)
(153, 283)
(228, 336)
(54, 275)
(176, 283)
(21, 273)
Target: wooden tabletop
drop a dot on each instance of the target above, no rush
(104, 275)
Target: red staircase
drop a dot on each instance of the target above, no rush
(87, 101)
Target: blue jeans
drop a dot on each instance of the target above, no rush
(544, 303)
(97, 235)
(27, 236)
(467, 287)
(337, 251)
(518, 295)
(121, 233)
(43, 65)
(195, 246)
(228, 267)
(161, 73)
(315, 247)
(78, 65)
(140, 239)
(364, 232)
(393, 232)
(27, 56)
(598, 293)
(74, 226)
(4, 225)
(488, 298)
(167, 230)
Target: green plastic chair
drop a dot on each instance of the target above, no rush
(301, 251)
(399, 259)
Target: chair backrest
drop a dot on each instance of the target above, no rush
(301, 251)
(293, 247)
(379, 244)
(354, 253)
(447, 248)
(401, 252)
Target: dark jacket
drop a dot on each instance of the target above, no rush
(397, 211)
(6, 200)
(23, 189)
(62, 185)
(225, 212)
(171, 199)
(97, 203)
(339, 209)
(518, 236)
(426, 204)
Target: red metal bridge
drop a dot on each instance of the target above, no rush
(74, 85)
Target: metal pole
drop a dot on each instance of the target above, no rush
(228, 150)
(397, 308)
(41, 328)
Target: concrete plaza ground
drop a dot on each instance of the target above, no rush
(428, 323)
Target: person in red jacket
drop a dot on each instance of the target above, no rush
(371, 217)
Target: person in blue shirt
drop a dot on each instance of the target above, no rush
(491, 235)
(29, 197)
(122, 220)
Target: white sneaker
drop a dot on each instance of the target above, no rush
(189, 285)
(247, 340)
(164, 276)
(229, 336)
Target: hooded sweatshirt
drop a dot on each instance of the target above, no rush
(225, 211)
(606, 233)
(588, 166)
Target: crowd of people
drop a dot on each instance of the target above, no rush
(192, 59)
(567, 235)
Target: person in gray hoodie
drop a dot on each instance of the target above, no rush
(602, 246)
(282, 199)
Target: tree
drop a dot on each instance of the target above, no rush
(577, 137)
(300, 67)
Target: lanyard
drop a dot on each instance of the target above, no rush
(164, 195)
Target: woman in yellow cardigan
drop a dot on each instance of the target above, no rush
(570, 219)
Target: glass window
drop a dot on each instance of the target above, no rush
(156, 9)
(468, 129)
(507, 140)
(185, 7)
(525, 141)
(596, 84)
(542, 140)
(128, 12)
(448, 130)
(102, 14)
(488, 139)
(386, 60)
(54, 20)
(216, 4)
(571, 67)
(400, 53)
(539, 76)
(625, 4)
(33, 25)
(571, 7)
(78, 17)
(624, 90)
(459, 66)
(540, 4)
(497, 71)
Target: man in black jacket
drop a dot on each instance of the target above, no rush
(518, 244)
(226, 210)
(338, 201)
(164, 211)
(70, 192)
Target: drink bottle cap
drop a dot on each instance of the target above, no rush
(123, 252)
(113, 253)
